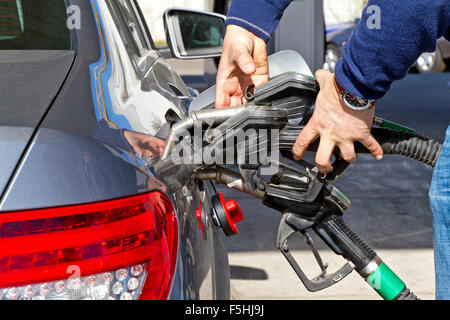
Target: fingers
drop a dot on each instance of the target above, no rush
(228, 90)
(305, 138)
(325, 150)
(159, 146)
(348, 152)
(323, 155)
(242, 57)
(373, 146)
(222, 99)
(243, 62)
(237, 101)
(222, 96)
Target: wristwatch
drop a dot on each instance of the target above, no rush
(352, 101)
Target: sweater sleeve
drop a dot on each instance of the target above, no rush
(113, 137)
(388, 40)
(260, 17)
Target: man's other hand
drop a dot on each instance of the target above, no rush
(243, 62)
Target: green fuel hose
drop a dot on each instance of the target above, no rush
(367, 263)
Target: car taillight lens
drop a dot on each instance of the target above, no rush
(119, 249)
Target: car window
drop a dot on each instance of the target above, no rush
(34, 25)
(133, 28)
(134, 33)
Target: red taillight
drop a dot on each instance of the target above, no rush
(39, 248)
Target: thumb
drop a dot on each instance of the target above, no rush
(244, 60)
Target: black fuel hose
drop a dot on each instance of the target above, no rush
(408, 144)
(411, 145)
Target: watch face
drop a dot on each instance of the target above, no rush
(354, 101)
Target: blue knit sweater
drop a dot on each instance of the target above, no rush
(382, 48)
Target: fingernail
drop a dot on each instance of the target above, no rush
(379, 157)
(249, 67)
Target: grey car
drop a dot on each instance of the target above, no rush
(83, 98)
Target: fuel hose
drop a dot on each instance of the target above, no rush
(393, 141)
(404, 143)
(367, 263)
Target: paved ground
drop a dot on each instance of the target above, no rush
(262, 275)
(390, 210)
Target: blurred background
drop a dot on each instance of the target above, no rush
(334, 19)
(335, 12)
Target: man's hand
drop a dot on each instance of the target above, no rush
(145, 144)
(336, 125)
(243, 62)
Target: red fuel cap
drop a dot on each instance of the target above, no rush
(228, 214)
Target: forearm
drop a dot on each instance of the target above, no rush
(113, 137)
(377, 55)
(261, 17)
